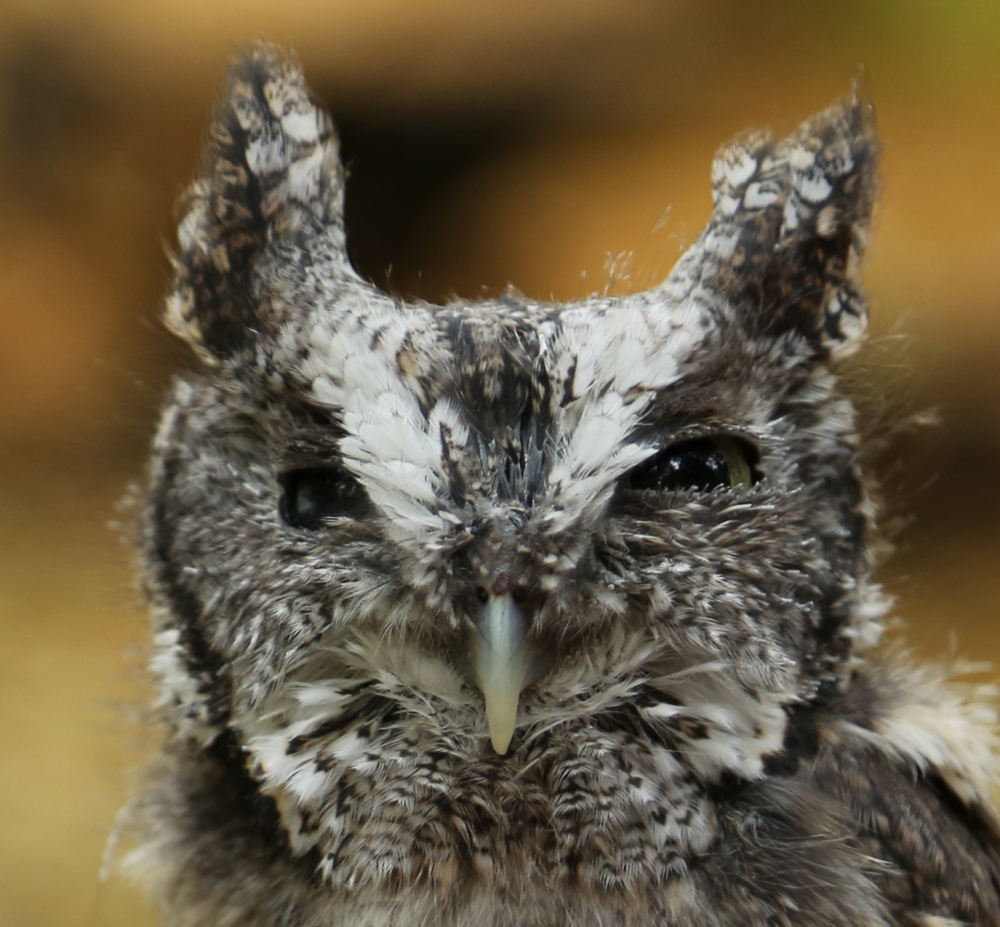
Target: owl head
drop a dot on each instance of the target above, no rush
(464, 582)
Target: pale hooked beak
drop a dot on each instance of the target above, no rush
(501, 662)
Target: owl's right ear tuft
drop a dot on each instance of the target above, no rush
(781, 254)
(271, 167)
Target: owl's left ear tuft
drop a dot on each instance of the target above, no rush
(833, 176)
(271, 167)
(782, 251)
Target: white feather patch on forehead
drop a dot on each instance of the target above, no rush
(610, 360)
(365, 359)
(607, 359)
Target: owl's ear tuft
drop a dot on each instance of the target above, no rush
(783, 248)
(271, 168)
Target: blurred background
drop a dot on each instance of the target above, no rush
(524, 142)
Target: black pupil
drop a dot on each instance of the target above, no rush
(695, 465)
(313, 495)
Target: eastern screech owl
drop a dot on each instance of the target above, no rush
(509, 613)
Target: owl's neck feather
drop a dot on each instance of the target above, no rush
(557, 810)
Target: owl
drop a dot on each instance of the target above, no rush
(520, 614)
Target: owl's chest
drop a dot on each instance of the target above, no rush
(386, 803)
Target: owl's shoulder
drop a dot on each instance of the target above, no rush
(912, 761)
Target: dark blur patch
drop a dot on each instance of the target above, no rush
(54, 121)
(398, 171)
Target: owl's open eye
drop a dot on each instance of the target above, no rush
(315, 494)
(699, 465)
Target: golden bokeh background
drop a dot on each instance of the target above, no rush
(489, 142)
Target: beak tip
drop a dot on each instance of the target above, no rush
(501, 717)
(501, 743)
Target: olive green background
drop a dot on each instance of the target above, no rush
(489, 143)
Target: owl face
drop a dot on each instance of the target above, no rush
(506, 580)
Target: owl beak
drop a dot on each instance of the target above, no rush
(501, 663)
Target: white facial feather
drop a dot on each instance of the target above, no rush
(610, 358)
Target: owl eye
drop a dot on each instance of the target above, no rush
(310, 496)
(699, 465)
